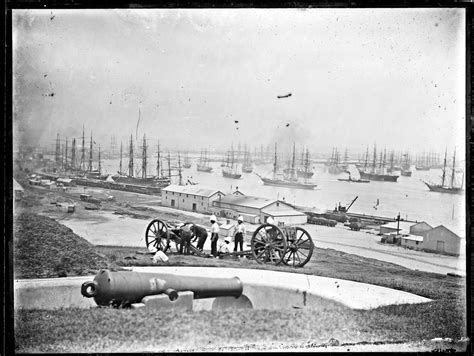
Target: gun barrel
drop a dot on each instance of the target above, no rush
(127, 287)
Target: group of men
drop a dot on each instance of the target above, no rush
(191, 233)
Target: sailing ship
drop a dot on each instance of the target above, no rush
(406, 172)
(423, 163)
(186, 163)
(375, 172)
(304, 171)
(203, 165)
(247, 165)
(290, 180)
(130, 178)
(333, 163)
(446, 187)
(230, 170)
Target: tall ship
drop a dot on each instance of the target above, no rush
(376, 171)
(447, 184)
(186, 163)
(406, 165)
(140, 177)
(334, 162)
(345, 162)
(289, 180)
(305, 171)
(230, 170)
(247, 166)
(203, 165)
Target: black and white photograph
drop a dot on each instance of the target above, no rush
(239, 180)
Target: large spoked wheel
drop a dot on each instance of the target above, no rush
(157, 235)
(300, 247)
(268, 244)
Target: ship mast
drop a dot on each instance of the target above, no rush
(100, 167)
(179, 170)
(73, 154)
(90, 155)
(374, 163)
(130, 160)
(65, 157)
(444, 168)
(454, 164)
(58, 149)
(158, 161)
(83, 156)
(275, 163)
(120, 167)
(169, 165)
(144, 157)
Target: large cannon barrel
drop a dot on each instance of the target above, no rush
(127, 287)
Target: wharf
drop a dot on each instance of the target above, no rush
(134, 188)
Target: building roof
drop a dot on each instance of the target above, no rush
(249, 201)
(412, 238)
(404, 225)
(283, 212)
(16, 185)
(424, 223)
(441, 227)
(192, 189)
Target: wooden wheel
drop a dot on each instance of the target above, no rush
(268, 244)
(157, 235)
(300, 247)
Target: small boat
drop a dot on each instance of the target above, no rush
(353, 180)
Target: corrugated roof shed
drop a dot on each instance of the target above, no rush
(283, 212)
(404, 225)
(247, 201)
(192, 189)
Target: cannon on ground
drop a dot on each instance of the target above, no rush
(126, 287)
(291, 245)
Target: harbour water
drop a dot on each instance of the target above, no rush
(409, 196)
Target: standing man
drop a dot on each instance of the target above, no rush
(214, 235)
(239, 234)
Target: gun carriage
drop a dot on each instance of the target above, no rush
(290, 245)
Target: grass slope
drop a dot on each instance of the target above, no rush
(44, 248)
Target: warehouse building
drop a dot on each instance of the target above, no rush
(419, 228)
(190, 197)
(441, 239)
(256, 210)
(411, 241)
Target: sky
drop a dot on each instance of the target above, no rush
(357, 77)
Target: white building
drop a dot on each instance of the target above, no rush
(190, 197)
(257, 210)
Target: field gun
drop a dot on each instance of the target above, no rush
(126, 287)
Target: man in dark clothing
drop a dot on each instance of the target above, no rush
(200, 234)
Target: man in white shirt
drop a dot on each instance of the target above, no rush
(224, 248)
(214, 235)
(239, 234)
